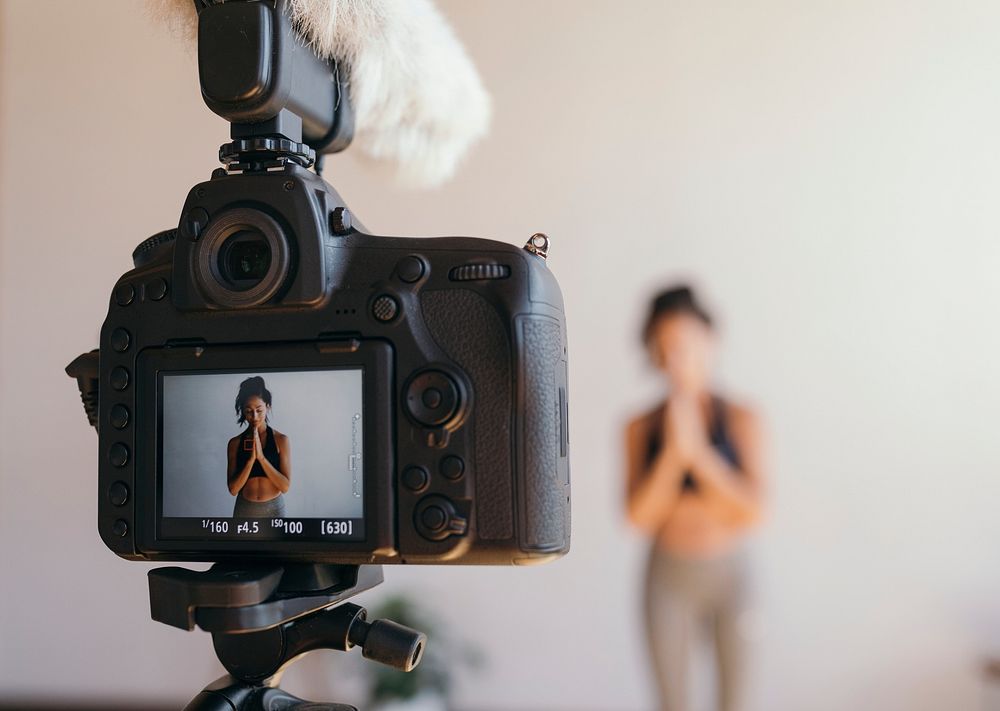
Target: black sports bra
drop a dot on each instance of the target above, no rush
(246, 447)
(718, 436)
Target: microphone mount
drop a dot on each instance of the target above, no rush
(284, 102)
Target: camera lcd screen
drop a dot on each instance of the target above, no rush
(261, 455)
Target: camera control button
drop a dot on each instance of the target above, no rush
(124, 294)
(432, 398)
(120, 528)
(340, 221)
(434, 518)
(385, 308)
(452, 467)
(119, 417)
(194, 223)
(120, 340)
(118, 454)
(118, 493)
(156, 289)
(410, 269)
(415, 479)
(119, 378)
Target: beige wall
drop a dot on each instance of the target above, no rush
(827, 171)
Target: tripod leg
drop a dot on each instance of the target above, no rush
(228, 694)
(224, 694)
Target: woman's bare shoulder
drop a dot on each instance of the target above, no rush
(233, 441)
(743, 415)
(279, 437)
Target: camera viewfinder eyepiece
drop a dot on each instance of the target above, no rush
(242, 260)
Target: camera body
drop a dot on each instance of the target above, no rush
(436, 370)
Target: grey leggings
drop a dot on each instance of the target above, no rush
(686, 601)
(245, 508)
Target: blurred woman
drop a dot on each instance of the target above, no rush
(694, 485)
(259, 459)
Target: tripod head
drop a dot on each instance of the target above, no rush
(285, 102)
(264, 618)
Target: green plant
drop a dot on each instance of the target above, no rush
(442, 658)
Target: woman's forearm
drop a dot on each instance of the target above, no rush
(274, 476)
(723, 480)
(652, 499)
(238, 482)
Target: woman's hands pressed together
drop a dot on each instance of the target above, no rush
(258, 449)
(684, 428)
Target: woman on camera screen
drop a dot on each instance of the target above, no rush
(260, 458)
(694, 485)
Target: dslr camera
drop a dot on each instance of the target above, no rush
(275, 384)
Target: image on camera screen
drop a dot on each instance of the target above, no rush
(261, 455)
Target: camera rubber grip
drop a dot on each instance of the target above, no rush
(544, 493)
(470, 331)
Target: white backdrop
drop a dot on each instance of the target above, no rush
(829, 172)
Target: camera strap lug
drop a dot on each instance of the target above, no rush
(538, 245)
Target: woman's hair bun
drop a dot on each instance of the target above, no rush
(676, 299)
(251, 387)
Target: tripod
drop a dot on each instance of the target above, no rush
(262, 618)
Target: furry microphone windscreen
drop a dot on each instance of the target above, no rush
(419, 102)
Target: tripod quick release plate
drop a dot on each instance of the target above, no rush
(228, 598)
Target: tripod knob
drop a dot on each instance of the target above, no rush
(389, 643)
